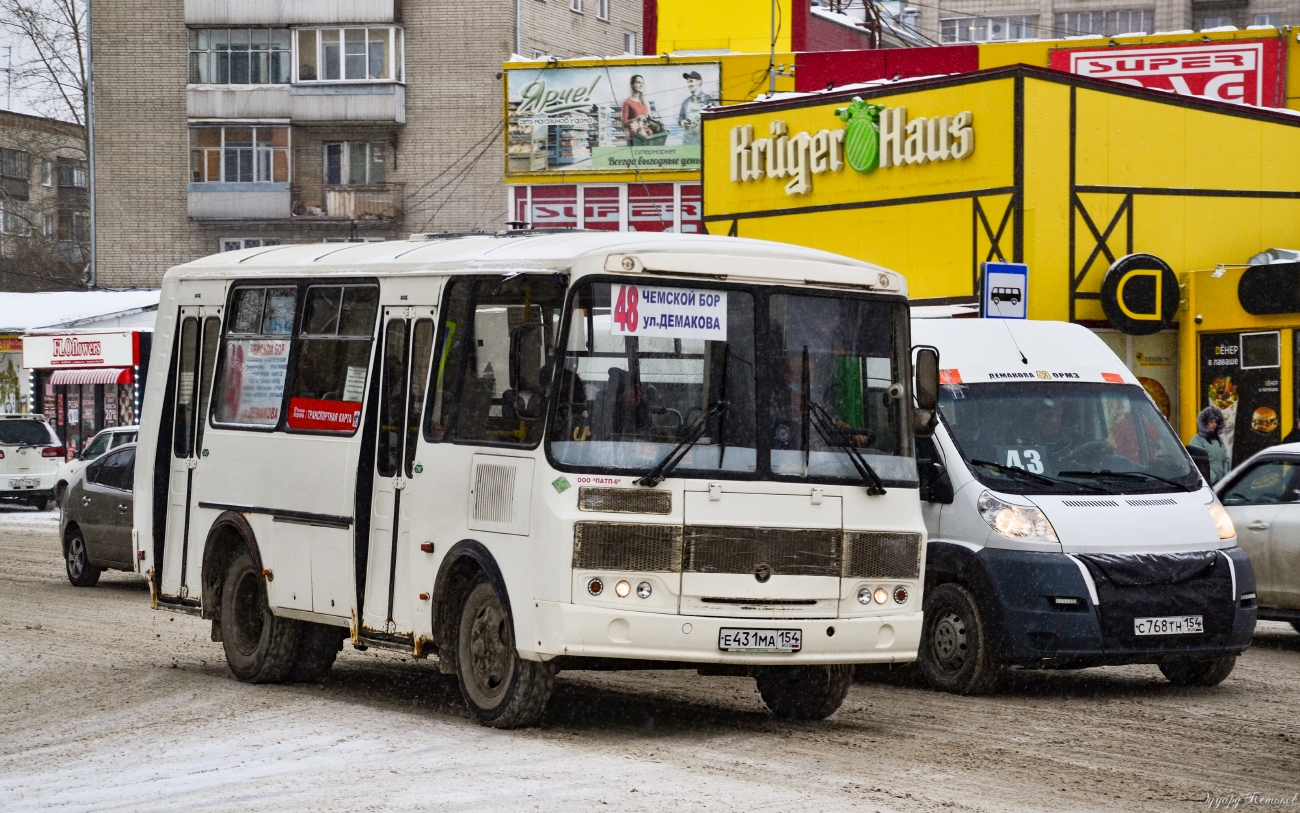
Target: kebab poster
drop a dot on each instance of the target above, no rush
(1240, 375)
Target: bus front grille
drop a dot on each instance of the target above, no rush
(785, 551)
(625, 500)
(627, 546)
(877, 555)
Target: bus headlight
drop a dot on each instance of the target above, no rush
(1016, 521)
(1221, 519)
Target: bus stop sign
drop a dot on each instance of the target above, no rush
(1004, 288)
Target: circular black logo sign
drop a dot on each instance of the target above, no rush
(1139, 294)
(762, 573)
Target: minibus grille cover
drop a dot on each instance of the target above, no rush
(786, 551)
(875, 555)
(625, 500)
(627, 546)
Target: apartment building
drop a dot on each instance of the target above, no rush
(956, 21)
(224, 124)
(44, 204)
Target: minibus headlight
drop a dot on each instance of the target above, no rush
(1016, 521)
(1221, 519)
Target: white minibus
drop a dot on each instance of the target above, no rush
(530, 452)
(1068, 526)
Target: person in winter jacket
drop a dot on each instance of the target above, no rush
(1208, 425)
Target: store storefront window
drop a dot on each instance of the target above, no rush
(1241, 375)
(1154, 360)
(601, 208)
(660, 207)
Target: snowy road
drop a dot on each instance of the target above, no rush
(106, 705)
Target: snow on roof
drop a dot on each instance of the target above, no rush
(21, 312)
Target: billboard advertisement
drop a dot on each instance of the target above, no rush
(1240, 71)
(617, 119)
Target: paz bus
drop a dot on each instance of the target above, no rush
(530, 452)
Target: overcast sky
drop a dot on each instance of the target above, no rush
(16, 101)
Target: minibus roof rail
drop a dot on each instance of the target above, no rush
(453, 235)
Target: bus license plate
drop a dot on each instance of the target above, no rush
(1172, 625)
(732, 639)
(24, 482)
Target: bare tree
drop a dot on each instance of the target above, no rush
(51, 37)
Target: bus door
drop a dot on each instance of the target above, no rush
(407, 334)
(197, 342)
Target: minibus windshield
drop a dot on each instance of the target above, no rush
(1068, 438)
(648, 366)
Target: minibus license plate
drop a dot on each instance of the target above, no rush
(732, 639)
(24, 482)
(1172, 625)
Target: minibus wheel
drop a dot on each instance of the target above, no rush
(260, 647)
(1199, 672)
(501, 689)
(81, 573)
(319, 646)
(956, 655)
(804, 692)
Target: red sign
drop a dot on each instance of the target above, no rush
(1240, 71)
(329, 416)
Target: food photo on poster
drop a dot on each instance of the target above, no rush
(608, 118)
(1240, 376)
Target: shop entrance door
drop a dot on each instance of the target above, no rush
(404, 375)
(196, 355)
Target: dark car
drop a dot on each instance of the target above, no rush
(97, 516)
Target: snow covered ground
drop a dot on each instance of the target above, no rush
(106, 705)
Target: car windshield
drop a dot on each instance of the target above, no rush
(24, 433)
(646, 366)
(97, 447)
(1089, 437)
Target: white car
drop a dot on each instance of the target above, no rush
(29, 458)
(105, 441)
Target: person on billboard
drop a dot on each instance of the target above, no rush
(689, 116)
(638, 119)
(1208, 425)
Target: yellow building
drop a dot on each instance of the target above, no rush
(1063, 173)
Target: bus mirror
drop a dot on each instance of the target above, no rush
(1202, 460)
(927, 378)
(528, 404)
(526, 358)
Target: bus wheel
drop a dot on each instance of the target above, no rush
(260, 648)
(955, 653)
(501, 689)
(81, 573)
(1199, 672)
(319, 646)
(804, 692)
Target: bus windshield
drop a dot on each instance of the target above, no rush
(648, 366)
(1076, 437)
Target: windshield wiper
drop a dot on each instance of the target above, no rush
(679, 452)
(1041, 478)
(1126, 475)
(824, 423)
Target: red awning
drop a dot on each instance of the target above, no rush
(102, 375)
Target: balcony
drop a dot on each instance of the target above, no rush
(373, 202)
(289, 12)
(305, 104)
(239, 201)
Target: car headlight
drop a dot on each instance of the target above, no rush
(1016, 521)
(1221, 519)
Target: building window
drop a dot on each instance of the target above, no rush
(236, 243)
(575, 5)
(15, 174)
(47, 173)
(1216, 22)
(539, 54)
(1105, 23)
(15, 218)
(239, 154)
(72, 174)
(1273, 18)
(239, 56)
(629, 42)
(349, 54)
(74, 227)
(356, 162)
(989, 29)
(47, 226)
(602, 10)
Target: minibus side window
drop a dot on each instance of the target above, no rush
(437, 416)
(255, 356)
(329, 381)
(421, 353)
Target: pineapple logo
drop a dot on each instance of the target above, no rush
(862, 134)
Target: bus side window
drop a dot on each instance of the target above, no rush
(438, 413)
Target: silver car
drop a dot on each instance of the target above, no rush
(105, 441)
(1262, 496)
(97, 516)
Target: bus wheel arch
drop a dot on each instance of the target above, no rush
(456, 575)
(229, 535)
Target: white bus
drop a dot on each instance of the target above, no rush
(531, 452)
